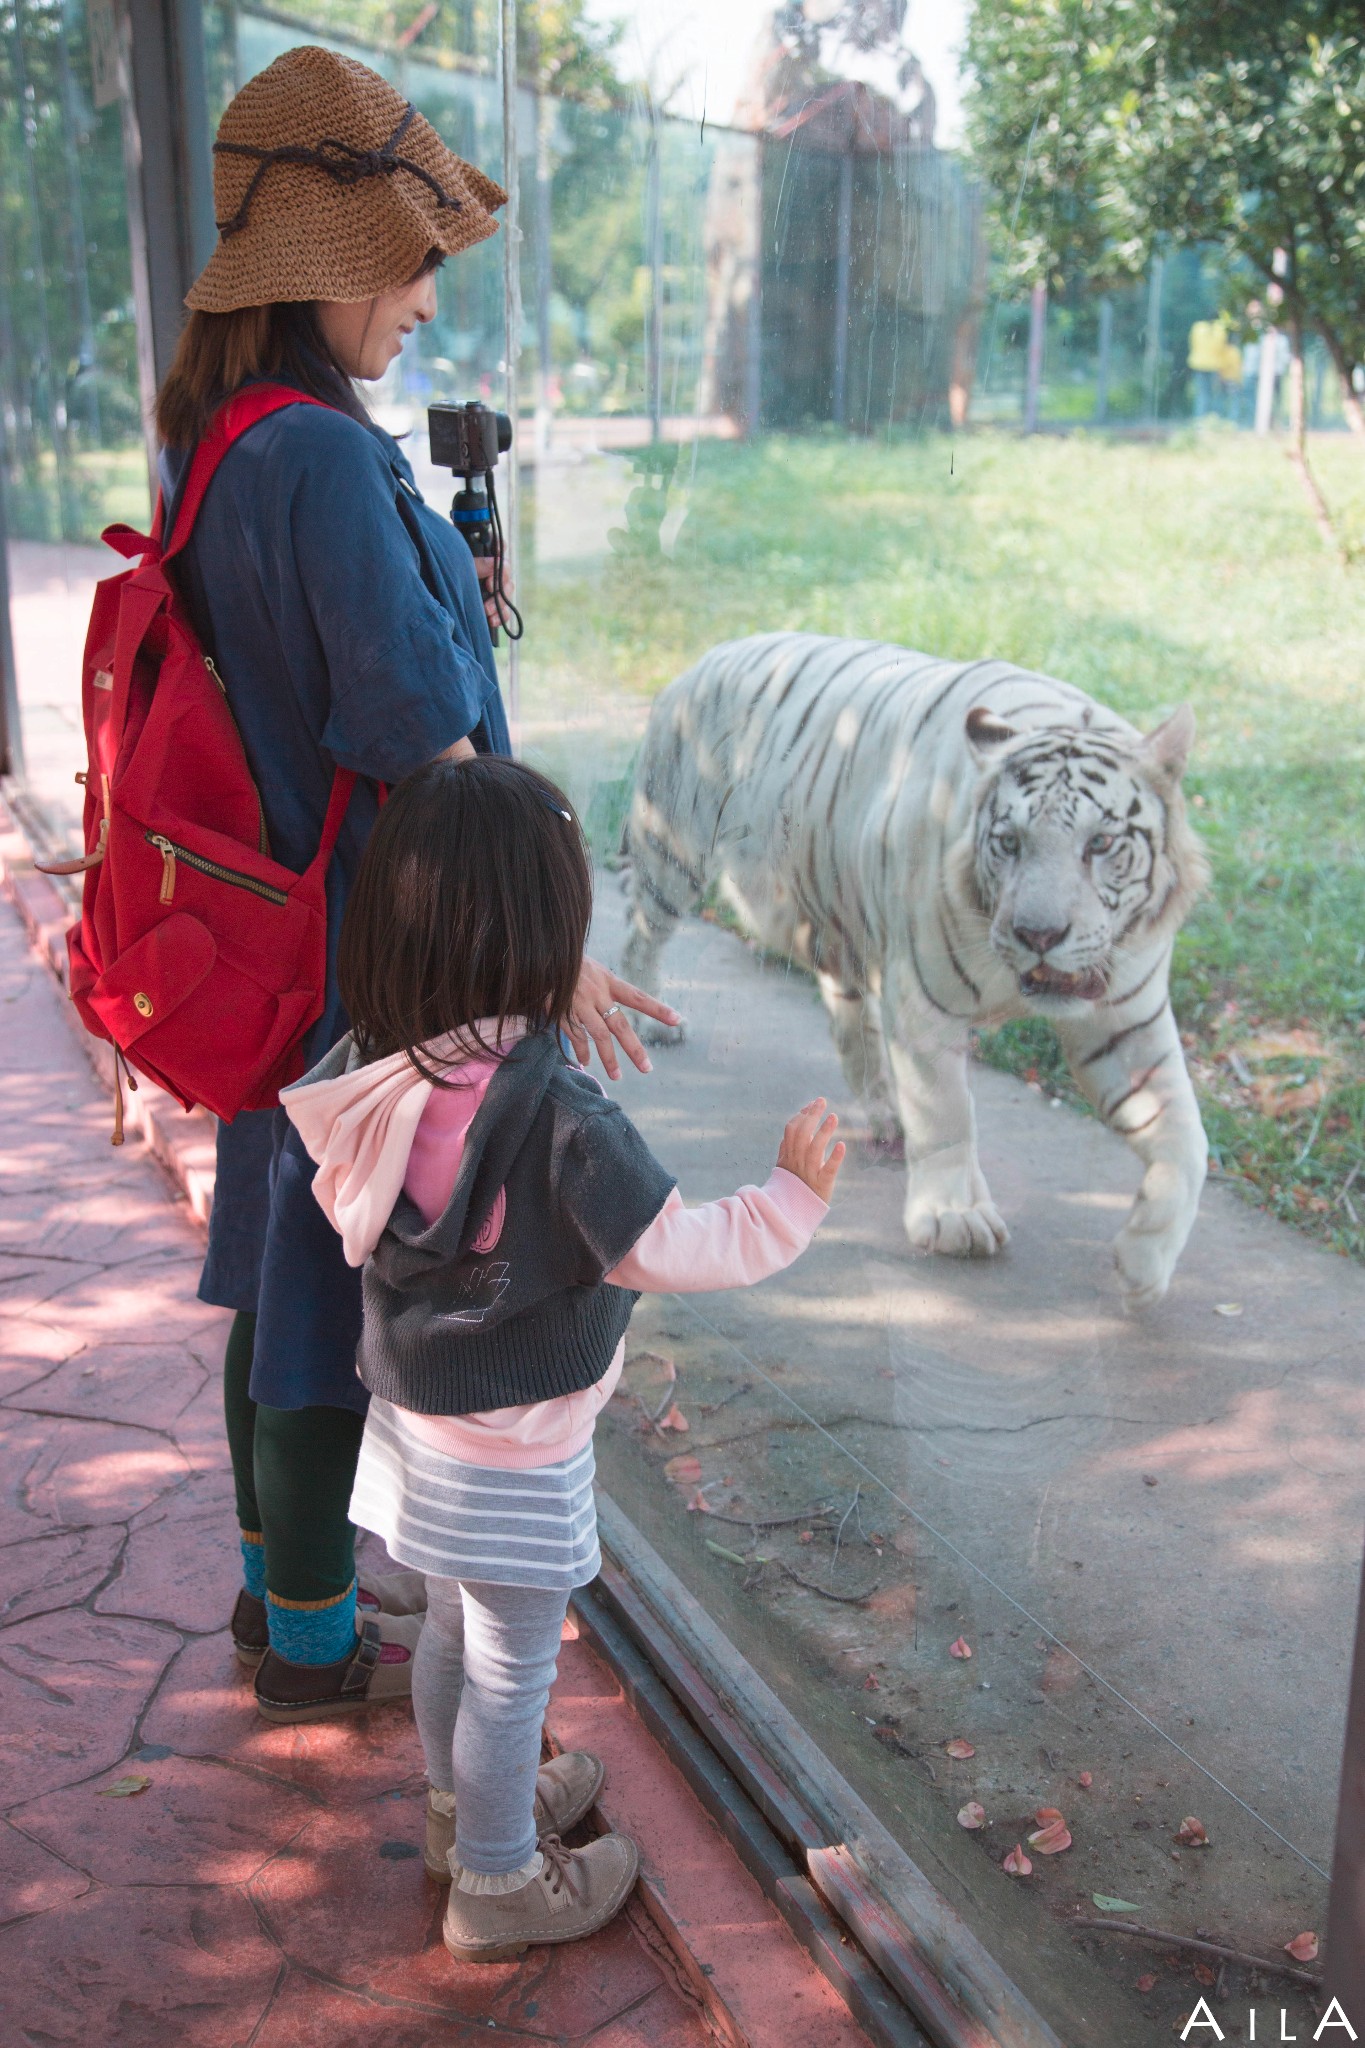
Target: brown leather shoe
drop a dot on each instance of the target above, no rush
(575, 1892)
(565, 1788)
(250, 1629)
(379, 1669)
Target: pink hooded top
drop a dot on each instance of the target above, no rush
(382, 1129)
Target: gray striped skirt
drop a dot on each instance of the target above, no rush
(475, 1522)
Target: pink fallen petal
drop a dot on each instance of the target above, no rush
(959, 1749)
(1146, 1982)
(961, 1648)
(684, 1470)
(1051, 1840)
(1192, 1833)
(1044, 1814)
(972, 1815)
(1085, 1781)
(1017, 1864)
(699, 1504)
(1303, 1948)
(872, 1683)
(675, 1419)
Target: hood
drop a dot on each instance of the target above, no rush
(358, 1120)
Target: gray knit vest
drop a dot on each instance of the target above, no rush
(452, 1331)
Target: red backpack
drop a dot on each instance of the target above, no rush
(200, 957)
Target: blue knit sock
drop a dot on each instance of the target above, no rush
(312, 1635)
(253, 1565)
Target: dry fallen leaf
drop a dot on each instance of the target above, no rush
(1146, 1982)
(972, 1815)
(961, 1648)
(1303, 1948)
(1107, 1904)
(1017, 1864)
(1203, 1974)
(1085, 1781)
(675, 1419)
(1192, 1833)
(684, 1470)
(1044, 1814)
(959, 1749)
(1051, 1840)
(124, 1788)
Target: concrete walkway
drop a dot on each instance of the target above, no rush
(261, 1884)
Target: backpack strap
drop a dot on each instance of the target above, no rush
(229, 423)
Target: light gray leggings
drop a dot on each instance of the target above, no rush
(481, 1681)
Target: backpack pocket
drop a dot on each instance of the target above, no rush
(153, 977)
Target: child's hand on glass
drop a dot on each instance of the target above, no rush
(804, 1145)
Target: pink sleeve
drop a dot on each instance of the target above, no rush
(731, 1243)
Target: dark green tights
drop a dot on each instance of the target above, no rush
(293, 1469)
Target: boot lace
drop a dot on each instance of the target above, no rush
(558, 1872)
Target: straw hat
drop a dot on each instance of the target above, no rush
(327, 184)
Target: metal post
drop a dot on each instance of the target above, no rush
(11, 732)
(511, 302)
(1345, 1960)
(1265, 379)
(843, 272)
(753, 325)
(168, 165)
(1151, 354)
(654, 335)
(545, 123)
(1037, 334)
(1102, 367)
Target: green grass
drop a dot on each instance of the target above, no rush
(1149, 573)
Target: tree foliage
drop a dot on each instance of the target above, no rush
(1105, 126)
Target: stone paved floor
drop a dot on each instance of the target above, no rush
(265, 1887)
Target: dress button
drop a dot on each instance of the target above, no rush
(142, 1004)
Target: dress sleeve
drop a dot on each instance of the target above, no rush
(403, 687)
(732, 1243)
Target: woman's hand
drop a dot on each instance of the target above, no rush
(483, 569)
(803, 1147)
(599, 1015)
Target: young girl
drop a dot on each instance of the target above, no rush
(507, 1215)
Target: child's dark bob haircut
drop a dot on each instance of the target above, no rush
(471, 903)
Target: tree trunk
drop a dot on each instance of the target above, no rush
(1037, 338)
(1350, 403)
(1298, 441)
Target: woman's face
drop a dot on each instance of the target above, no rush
(366, 336)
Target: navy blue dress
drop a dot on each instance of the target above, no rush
(347, 623)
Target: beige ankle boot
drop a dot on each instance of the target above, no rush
(574, 1892)
(565, 1788)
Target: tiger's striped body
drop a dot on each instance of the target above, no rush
(944, 846)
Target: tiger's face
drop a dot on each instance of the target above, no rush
(1080, 850)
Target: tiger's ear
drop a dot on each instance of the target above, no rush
(1165, 751)
(986, 734)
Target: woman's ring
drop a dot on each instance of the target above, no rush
(612, 1010)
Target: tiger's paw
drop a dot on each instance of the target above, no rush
(948, 1209)
(1144, 1261)
(653, 1033)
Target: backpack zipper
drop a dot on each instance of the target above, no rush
(262, 836)
(171, 852)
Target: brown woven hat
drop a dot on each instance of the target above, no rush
(327, 184)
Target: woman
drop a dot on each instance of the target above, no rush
(346, 623)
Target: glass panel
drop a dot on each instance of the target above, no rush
(70, 421)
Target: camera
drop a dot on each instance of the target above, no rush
(469, 439)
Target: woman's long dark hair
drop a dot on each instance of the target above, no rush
(219, 352)
(472, 902)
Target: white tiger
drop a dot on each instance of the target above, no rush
(944, 845)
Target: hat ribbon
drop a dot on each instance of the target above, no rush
(342, 162)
